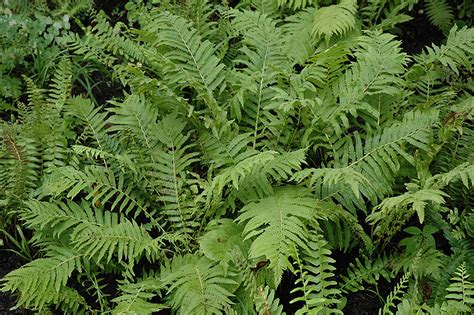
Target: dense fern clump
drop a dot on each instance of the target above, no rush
(246, 142)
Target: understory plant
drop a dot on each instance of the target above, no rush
(249, 144)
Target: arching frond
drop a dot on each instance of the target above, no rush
(101, 185)
(335, 20)
(93, 233)
(264, 62)
(315, 283)
(299, 41)
(40, 281)
(440, 14)
(198, 286)
(168, 174)
(458, 50)
(277, 224)
(189, 60)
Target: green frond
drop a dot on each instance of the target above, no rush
(101, 185)
(94, 233)
(377, 72)
(19, 172)
(61, 83)
(277, 224)
(335, 20)
(395, 295)
(105, 43)
(198, 286)
(265, 62)
(188, 60)
(135, 297)
(41, 280)
(376, 158)
(315, 283)
(299, 41)
(400, 208)
(463, 172)
(267, 303)
(92, 117)
(135, 116)
(368, 271)
(461, 289)
(218, 153)
(440, 14)
(295, 4)
(458, 50)
(169, 174)
(252, 177)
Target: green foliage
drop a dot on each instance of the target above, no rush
(225, 151)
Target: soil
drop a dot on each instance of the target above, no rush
(8, 262)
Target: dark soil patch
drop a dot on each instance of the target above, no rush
(9, 262)
(418, 33)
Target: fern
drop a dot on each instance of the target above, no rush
(100, 184)
(461, 289)
(93, 233)
(335, 20)
(457, 51)
(41, 280)
(368, 272)
(299, 41)
(315, 271)
(198, 286)
(277, 224)
(440, 14)
(188, 58)
(264, 61)
(395, 295)
(134, 297)
(168, 174)
(295, 4)
(266, 303)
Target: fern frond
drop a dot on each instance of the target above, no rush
(266, 303)
(251, 177)
(136, 116)
(368, 272)
(395, 295)
(190, 61)
(92, 117)
(440, 14)
(169, 174)
(40, 281)
(105, 42)
(315, 272)
(61, 84)
(94, 233)
(276, 224)
(101, 186)
(335, 20)
(264, 63)
(458, 50)
(135, 297)
(394, 211)
(461, 289)
(198, 286)
(299, 41)
(295, 4)
(218, 153)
